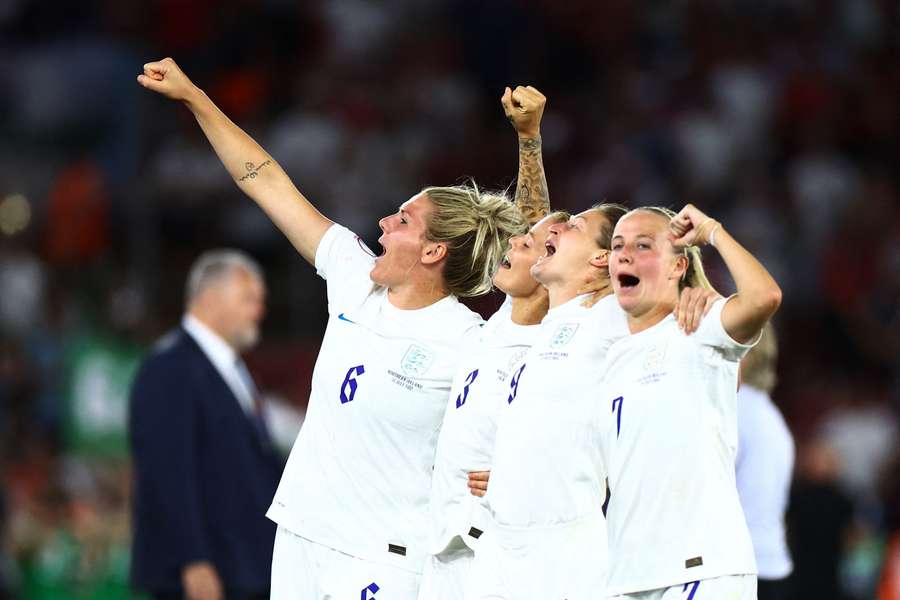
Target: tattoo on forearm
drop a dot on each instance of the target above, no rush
(253, 171)
(532, 196)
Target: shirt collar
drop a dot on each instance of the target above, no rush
(214, 347)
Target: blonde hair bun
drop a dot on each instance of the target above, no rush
(476, 226)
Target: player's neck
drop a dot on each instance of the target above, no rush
(416, 294)
(530, 310)
(647, 319)
(562, 292)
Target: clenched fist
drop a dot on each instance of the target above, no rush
(524, 107)
(690, 227)
(166, 78)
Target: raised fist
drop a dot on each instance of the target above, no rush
(524, 107)
(166, 78)
(691, 227)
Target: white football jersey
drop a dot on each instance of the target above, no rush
(477, 399)
(764, 469)
(670, 413)
(359, 474)
(547, 466)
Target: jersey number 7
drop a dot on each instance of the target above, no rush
(617, 408)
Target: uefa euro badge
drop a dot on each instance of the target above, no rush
(563, 334)
(514, 361)
(417, 360)
(653, 361)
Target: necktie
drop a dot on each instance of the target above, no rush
(258, 415)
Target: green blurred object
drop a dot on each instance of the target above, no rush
(65, 568)
(99, 370)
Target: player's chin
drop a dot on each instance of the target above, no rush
(377, 274)
(503, 280)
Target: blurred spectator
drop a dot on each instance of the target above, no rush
(819, 521)
(205, 469)
(864, 435)
(764, 467)
(73, 539)
(5, 567)
(889, 587)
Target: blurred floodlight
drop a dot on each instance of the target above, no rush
(15, 214)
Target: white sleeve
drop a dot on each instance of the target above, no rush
(745, 428)
(344, 261)
(712, 333)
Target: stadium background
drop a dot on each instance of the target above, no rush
(780, 118)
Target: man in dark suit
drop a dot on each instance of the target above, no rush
(205, 469)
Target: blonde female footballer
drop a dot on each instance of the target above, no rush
(676, 529)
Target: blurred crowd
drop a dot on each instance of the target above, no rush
(781, 118)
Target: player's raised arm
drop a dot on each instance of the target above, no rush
(758, 295)
(251, 167)
(524, 107)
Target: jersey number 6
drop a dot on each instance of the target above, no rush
(348, 388)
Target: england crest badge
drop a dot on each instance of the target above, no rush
(563, 334)
(417, 360)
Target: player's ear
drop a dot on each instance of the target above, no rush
(433, 252)
(679, 268)
(600, 259)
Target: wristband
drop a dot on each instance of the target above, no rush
(712, 234)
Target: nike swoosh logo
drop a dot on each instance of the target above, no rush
(343, 318)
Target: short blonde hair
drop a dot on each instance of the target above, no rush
(758, 368)
(694, 276)
(476, 226)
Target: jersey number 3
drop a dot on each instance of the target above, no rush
(461, 399)
(348, 388)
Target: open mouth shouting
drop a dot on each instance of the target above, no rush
(383, 247)
(627, 281)
(504, 262)
(551, 248)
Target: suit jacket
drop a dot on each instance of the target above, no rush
(204, 474)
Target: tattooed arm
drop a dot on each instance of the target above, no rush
(524, 107)
(255, 172)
